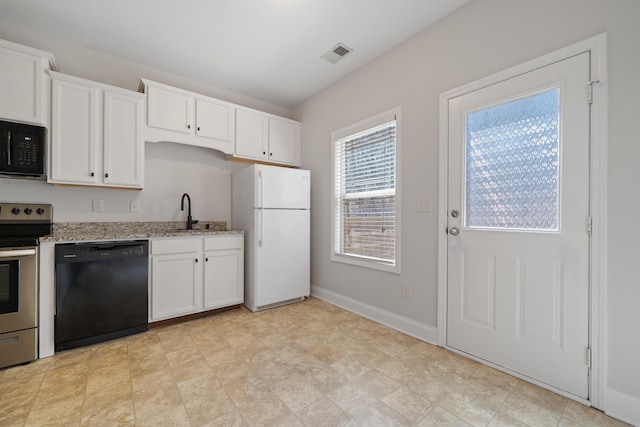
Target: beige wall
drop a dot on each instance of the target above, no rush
(483, 37)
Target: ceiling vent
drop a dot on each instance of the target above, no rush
(336, 53)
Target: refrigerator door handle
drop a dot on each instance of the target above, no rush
(261, 207)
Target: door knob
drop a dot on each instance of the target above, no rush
(454, 231)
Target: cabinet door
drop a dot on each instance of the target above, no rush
(123, 140)
(74, 134)
(169, 110)
(284, 141)
(252, 133)
(223, 284)
(21, 86)
(215, 120)
(176, 285)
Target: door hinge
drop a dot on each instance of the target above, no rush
(588, 357)
(590, 91)
(589, 225)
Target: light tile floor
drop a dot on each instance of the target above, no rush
(305, 364)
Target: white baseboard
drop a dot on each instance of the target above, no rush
(410, 327)
(622, 406)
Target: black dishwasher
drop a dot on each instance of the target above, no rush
(101, 291)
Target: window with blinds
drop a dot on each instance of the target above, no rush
(365, 214)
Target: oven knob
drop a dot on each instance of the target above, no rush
(15, 211)
(28, 211)
(40, 211)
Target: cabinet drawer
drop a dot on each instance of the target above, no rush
(224, 242)
(171, 246)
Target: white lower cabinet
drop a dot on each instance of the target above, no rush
(176, 284)
(223, 271)
(190, 275)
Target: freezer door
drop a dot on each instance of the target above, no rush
(282, 264)
(281, 188)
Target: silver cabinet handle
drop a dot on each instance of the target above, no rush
(16, 253)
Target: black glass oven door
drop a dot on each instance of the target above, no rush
(9, 283)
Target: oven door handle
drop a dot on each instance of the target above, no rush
(16, 253)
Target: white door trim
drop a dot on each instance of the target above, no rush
(597, 46)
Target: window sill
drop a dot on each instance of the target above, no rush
(366, 263)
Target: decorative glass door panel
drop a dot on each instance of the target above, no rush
(512, 164)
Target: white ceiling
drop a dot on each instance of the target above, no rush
(266, 49)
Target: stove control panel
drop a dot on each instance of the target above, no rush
(27, 212)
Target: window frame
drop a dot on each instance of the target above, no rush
(336, 223)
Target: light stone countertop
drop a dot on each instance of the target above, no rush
(92, 231)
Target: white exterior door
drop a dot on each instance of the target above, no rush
(518, 215)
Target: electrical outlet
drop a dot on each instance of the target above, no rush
(406, 290)
(98, 205)
(134, 206)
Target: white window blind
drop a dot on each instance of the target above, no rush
(365, 193)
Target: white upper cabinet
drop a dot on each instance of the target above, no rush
(284, 141)
(23, 84)
(96, 134)
(215, 120)
(123, 147)
(74, 133)
(177, 115)
(168, 109)
(266, 138)
(252, 135)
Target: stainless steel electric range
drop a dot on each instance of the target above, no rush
(21, 225)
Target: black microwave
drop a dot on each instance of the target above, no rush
(22, 151)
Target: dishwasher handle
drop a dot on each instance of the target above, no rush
(111, 245)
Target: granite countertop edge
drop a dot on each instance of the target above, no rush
(73, 232)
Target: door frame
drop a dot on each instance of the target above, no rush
(597, 46)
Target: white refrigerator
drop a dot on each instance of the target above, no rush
(272, 204)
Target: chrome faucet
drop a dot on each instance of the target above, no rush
(189, 219)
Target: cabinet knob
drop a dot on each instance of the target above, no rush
(264, 152)
(198, 128)
(270, 154)
(106, 175)
(188, 126)
(196, 259)
(206, 259)
(93, 174)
